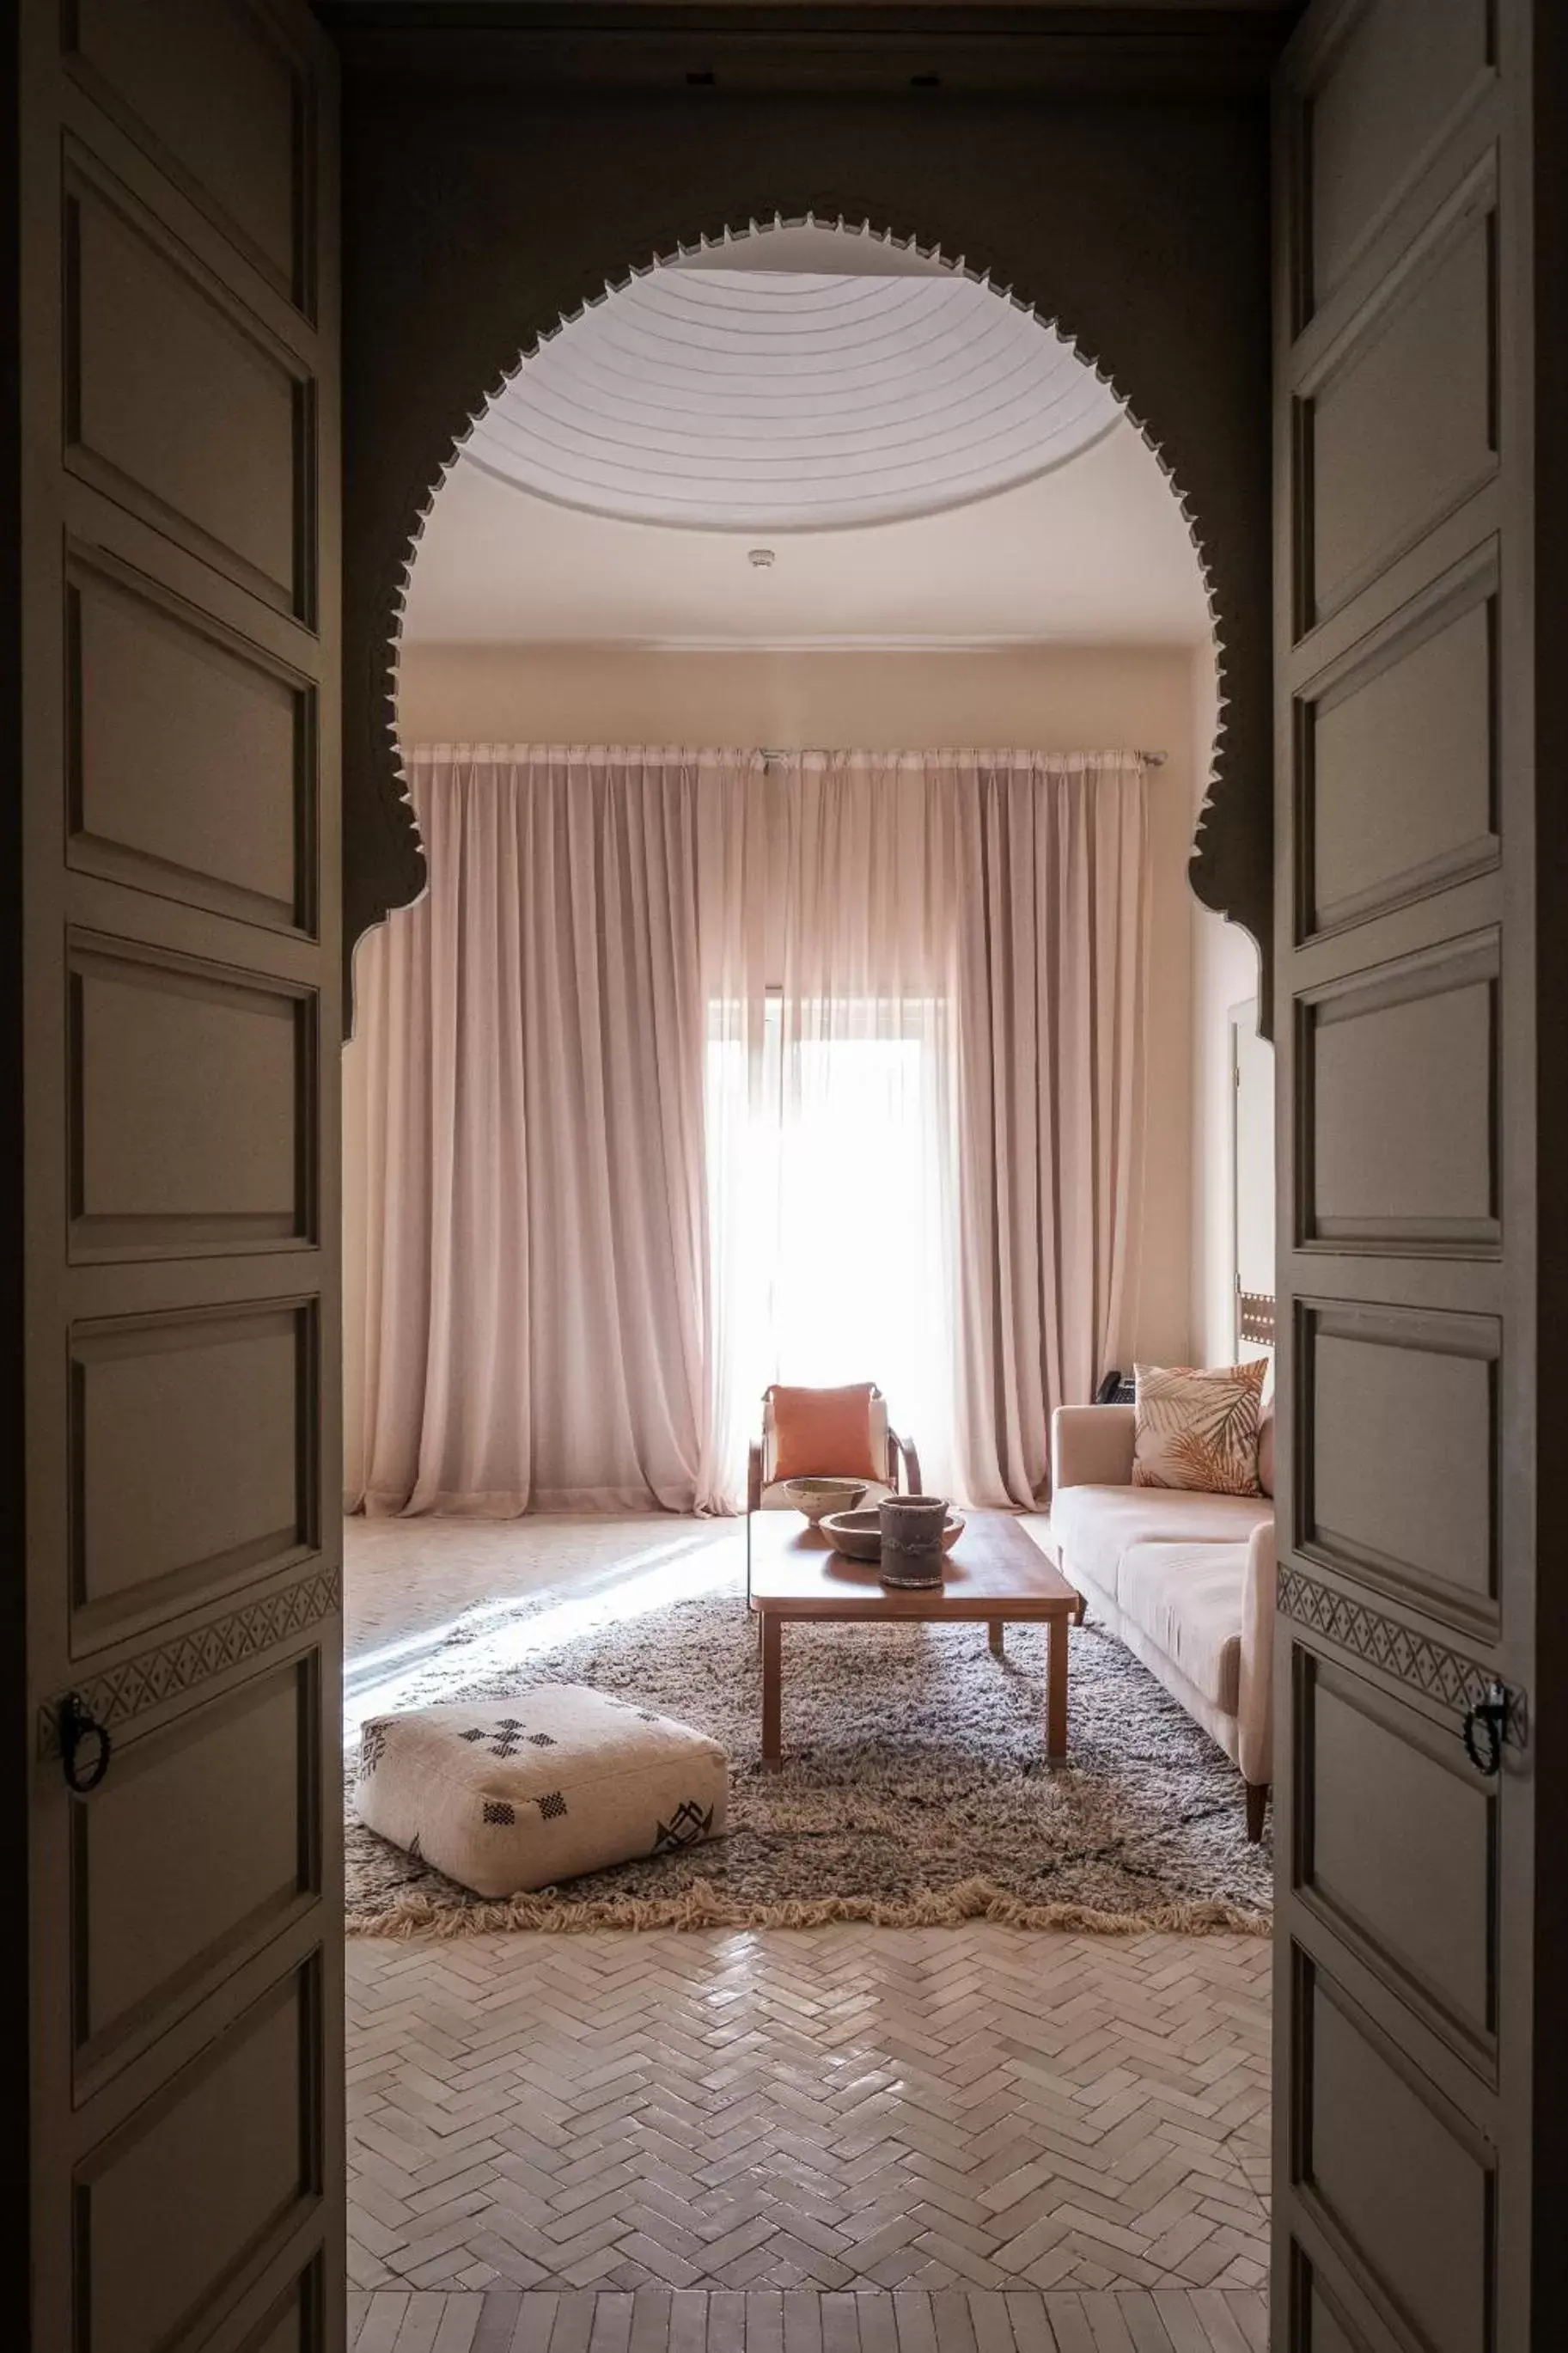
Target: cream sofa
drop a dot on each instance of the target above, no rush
(1185, 1579)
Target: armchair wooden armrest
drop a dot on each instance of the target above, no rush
(902, 1450)
(903, 1469)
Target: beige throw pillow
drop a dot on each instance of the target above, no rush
(1199, 1428)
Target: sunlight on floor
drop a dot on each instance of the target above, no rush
(534, 1584)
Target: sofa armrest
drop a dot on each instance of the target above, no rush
(1091, 1446)
(1255, 1701)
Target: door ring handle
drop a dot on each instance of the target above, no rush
(1486, 1721)
(79, 1730)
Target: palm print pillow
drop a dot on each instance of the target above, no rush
(1197, 1429)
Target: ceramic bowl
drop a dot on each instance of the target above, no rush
(859, 1534)
(816, 1496)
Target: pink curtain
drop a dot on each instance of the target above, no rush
(1052, 886)
(538, 1314)
(691, 1072)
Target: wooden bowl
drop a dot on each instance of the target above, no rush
(817, 1496)
(859, 1534)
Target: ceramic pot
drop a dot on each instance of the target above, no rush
(816, 1496)
(912, 1528)
(859, 1534)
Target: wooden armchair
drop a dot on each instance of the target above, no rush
(903, 1464)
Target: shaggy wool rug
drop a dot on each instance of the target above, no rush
(915, 1789)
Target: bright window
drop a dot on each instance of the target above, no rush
(829, 1174)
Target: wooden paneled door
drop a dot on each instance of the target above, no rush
(1414, 2123)
(179, 891)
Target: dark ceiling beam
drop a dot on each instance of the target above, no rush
(1064, 15)
(1158, 46)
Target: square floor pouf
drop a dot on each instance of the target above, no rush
(510, 1795)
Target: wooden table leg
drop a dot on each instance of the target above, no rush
(995, 1631)
(1056, 1690)
(772, 1630)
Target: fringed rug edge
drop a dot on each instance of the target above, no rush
(701, 1905)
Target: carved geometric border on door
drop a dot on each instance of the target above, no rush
(138, 1685)
(1397, 1651)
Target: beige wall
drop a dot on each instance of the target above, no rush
(1053, 699)
(1225, 974)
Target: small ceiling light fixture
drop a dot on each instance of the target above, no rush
(759, 558)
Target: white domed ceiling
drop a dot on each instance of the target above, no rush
(949, 503)
(832, 381)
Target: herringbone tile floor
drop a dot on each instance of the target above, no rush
(967, 2117)
(798, 2320)
(843, 2140)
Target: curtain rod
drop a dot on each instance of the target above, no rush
(826, 751)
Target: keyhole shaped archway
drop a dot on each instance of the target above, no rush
(1232, 857)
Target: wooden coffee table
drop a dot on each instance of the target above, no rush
(995, 1572)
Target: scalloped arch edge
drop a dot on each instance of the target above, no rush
(1229, 865)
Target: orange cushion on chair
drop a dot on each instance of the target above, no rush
(824, 1433)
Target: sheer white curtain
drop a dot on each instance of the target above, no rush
(952, 1078)
(864, 1263)
(539, 1326)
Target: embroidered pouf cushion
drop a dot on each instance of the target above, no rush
(510, 1795)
